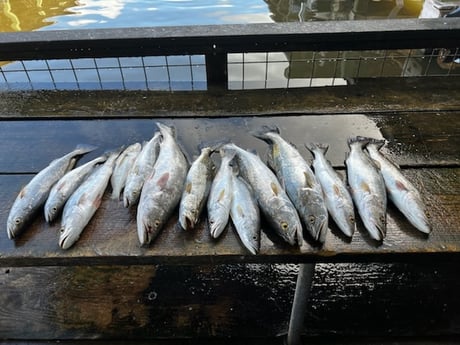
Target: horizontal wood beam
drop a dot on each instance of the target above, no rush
(223, 39)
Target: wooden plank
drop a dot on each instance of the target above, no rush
(333, 35)
(215, 303)
(415, 139)
(384, 95)
(111, 237)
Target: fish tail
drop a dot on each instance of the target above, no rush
(376, 143)
(82, 149)
(214, 146)
(264, 133)
(319, 147)
(358, 141)
(166, 129)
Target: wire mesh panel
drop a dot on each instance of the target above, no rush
(245, 70)
(171, 73)
(331, 68)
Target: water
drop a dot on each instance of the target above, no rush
(245, 71)
(31, 15)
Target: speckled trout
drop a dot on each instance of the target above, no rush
(84, 202)
(142, 168)
(64, 188)
(122, 166)
(300, 183)
(32, 197)
(271, 197)
(400, 190)
(196, 190)
(367, 188)
(336, 195)
(220, 195)
(162, 191)
(244, 213)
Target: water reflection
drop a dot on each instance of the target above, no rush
(28, 15)
(308, 10)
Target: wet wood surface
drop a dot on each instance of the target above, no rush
(97, 290)
(425, 144)
(228, 302)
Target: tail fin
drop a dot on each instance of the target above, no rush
(317, 147)
(264, 133)
(358, 141)
(378, 144)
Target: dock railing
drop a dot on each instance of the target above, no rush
(272, 55)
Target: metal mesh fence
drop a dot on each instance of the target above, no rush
(245, 70)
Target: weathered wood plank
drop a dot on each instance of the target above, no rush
(384, 95)
(214, 303)
(415, 139)
(111, 237)
(327, 35)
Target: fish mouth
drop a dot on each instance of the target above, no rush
(144, 233)
(377, 231)
(322, 231)
(187, 222)
(11, 231)
(252, 247)
(126, 203)
(216, 228)
(63, 243)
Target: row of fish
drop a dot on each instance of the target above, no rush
(157, 178)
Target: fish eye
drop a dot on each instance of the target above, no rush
(311, 219)
(54, 208)
(17, 221)
(284, 225)
(157, 223)
(382, 218)
(352, 219)
(62, 230)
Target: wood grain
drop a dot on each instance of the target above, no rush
(111, 237)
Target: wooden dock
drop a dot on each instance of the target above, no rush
(189, 286)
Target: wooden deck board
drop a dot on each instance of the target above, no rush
(111, 237)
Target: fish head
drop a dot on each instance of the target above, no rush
(217, 225)
(376, 224)
(251, 242)
(188, 219)
(315, 215)
(148, 230)
(50, 213)
(68, 236)
(130, 198)
(14, 226)
(289, 225)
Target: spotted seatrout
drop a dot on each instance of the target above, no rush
(300, 183)
(122, 166)
(400, 190)
(245, 216)
(220, 196)
(64, 188)
(196, 191)
(32, 197)
(84, 202)
(162, 191)
(141, 169)
(271, 197)
(367, 188)
(338, 200)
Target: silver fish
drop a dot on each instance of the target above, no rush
(141, 170)
(220, 196)
(122, 166)
(271, 197)
(84, 202)
(400, 190)
(163, 189)
(245, 216)
(338, 200)
(367, 188)
(35, 193)
(299, 182)
(196, 191)
(64, 188)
